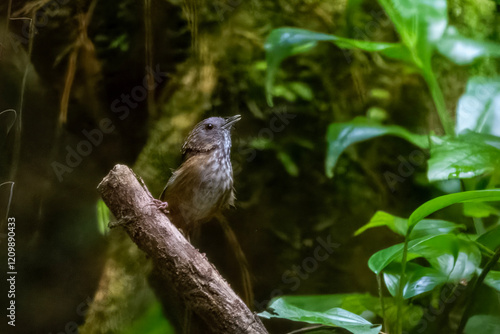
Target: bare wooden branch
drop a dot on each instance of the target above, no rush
(195, 279)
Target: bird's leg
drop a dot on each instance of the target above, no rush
(162, 206)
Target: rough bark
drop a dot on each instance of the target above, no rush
(195, 279)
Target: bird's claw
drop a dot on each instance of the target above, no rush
(162, 206)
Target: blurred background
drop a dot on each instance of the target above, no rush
(75, 75)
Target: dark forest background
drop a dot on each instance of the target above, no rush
(75, 73)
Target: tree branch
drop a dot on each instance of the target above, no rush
(194, 278)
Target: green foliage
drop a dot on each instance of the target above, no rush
(103, 217)
(441, 202)
(462, 50)
(400, 225)
(285, 42)
(286, 308)
(467, 155)
(476, 107)
(151, 322)
(483, 324)
(419, 279)
(451, 257)
(490, 239)
(435, 252)
(342, 135)
(423, 27)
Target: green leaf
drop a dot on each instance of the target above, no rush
(483, 324)
(478, 106)
(338, 317)
(342, 135)
(301, 89)
(418, 279)
(492, 279)
(353, 302)
(434, 227)
(285, 42)
(479, 210)
(103, 217)
(384, 257)
(399, 225)
(441, 202)
(420, 25)
(468, 155)
(381, 218)
(462, 50)
(152, 321)
(287, 161)
(285, 92)
(490, 239)
(453, 256)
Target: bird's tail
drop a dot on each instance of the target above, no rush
(248, 296)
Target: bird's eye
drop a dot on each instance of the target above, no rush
(209, 126)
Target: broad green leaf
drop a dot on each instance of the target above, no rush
(381, 218)
(483, 323)
(434, 227)
(418, 279)
(492, 279)
(353, 302)
(342, 135)
(399, 225)
(462, 50)
(490, 239)
(479, 210)
(338, 317)
(410, 314)
(469, 155)
(360, 303)
(478, 107)
(384, 257)
(441, 202)
(285, 42)
(455, 257)
(420, 25)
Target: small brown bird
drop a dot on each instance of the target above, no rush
(203, 185)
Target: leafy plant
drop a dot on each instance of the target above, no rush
(435, 253)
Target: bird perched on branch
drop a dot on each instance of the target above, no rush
(203, 185)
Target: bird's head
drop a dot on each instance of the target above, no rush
(210, 134)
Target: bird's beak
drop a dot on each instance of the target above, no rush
(230, 121)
